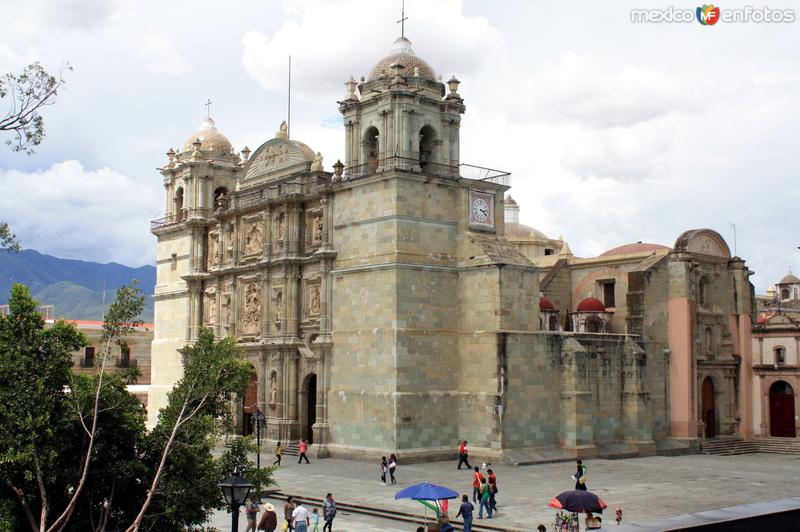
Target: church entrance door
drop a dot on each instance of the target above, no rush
(781, 410)
(708, 408)
(250, 405)
(311, 407)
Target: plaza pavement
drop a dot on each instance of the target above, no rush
(645, 488)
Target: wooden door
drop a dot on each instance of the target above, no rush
(781, 410)
(250, 405)
(708, 408)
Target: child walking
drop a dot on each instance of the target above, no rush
(392, 467)
(315, 520)
(384, 470)
(278, 452)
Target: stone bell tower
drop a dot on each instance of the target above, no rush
(402, 118)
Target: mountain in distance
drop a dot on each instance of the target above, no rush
(76, 288)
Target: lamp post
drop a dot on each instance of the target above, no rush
(260, 420)
(235, 490)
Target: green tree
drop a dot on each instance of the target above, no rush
(28, 92)
(34, 370)
(183, 490)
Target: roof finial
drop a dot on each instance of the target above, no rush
(208, 108)
(402, 20)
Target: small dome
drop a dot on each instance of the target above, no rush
(511, 201)
(210, 138)
(591, 304)
(790, 278)
(637, 247)
(524, 231)
(545, 304)
(404, 55)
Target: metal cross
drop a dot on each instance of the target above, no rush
(208, 108)
(402, 20)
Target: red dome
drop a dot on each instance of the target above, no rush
(591, 304)
(545, 304)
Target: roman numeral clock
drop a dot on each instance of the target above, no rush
(481, 210)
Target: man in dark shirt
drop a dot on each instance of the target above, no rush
(465, 513)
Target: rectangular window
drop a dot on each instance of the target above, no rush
(608, 294)
(88, 357)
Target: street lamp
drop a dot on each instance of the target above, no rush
(260, 420)
(235, 489)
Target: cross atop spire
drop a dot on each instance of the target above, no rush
(402, 20)
(208, 108)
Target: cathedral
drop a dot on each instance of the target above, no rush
(395, 304)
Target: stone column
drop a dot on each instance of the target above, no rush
(261, 370)
(407, 135)
(197, 310)
(266, 227)
(391, 139)
(290, 392)
(292, 299)
(324, 281)
(445, 137)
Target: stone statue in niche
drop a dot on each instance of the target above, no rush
(226, 303)
(229, 237)
(253, 240)
(278, 305)
(252, 308)
(313, 307)
(281, 226)
(211, 309)
(213, 248)
(316, 232)
(273, 391)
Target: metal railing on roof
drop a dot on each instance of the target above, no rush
(461, 171)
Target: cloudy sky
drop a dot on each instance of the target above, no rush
(614, 131)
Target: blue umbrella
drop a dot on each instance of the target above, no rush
(425, 491)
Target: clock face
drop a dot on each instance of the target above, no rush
(480, 210)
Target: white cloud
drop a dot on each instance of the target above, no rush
(329, 41)
(73, 212)
(42, 16)
(161, 56)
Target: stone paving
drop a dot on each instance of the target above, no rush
(645, 488)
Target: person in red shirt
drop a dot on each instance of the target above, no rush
(477, 479)
(492, 482)
(303, 451)
(462, 455)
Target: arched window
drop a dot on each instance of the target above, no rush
(785, 294)
(427, 146)
(370, 149)
(179, 204)
(594, 324)
(553, 323)
(219, 193)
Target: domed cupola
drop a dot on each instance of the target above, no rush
(210, 139)
(404, 55)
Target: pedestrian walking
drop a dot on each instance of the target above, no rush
(315, 520)
(269, 521)
(251, 511)
(477, 479)
(288, 508)
(484, 500)
(329, 512)
(278, 454)
(301, 518)
(580, 475)
(303, 451)
(463, 455)
(491, 481)
(465, 513)
(392, 467)
(384, 470)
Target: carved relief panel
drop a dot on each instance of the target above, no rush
(251, 307)
(315, 228)
(253, 238)
(280, 227)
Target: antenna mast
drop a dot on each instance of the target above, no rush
(289, 103)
